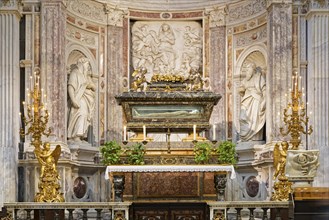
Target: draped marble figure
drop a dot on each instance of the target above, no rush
(81, 91)
(252, 112)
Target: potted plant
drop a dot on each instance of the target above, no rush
(135, 154)
(111, 153)
(226, 153)
(202, 152)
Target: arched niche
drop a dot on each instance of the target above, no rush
(258, 55)
(73, 53)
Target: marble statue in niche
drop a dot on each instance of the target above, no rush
(166, 48)
(252, 112)
(81, 92)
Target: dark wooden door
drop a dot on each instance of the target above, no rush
(169, 211)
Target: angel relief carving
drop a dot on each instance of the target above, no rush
(168, 51)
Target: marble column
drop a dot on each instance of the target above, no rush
(9, 99)
(217, 68)
(53, 71)
(279, 32)
(318, 84)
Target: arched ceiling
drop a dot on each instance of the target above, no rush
(170, 5)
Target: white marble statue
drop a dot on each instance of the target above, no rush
(252, 113)
(81, 91)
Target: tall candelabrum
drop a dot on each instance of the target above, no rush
(294, 115)
(36, 114)
(35, 119)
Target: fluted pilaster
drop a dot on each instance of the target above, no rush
(318, 87)
(9, 99)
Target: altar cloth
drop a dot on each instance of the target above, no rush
(169, 168)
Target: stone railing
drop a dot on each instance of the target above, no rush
(68, 210)
(120, 210)
(251, 209)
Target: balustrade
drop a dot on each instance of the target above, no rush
(68, 210)
(120, 210)
(265, 210)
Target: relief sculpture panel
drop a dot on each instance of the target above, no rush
(166, 48)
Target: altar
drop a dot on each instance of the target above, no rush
(220, 173)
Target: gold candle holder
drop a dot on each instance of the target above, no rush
(35, 119)
(294, 115)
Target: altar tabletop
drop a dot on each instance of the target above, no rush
(169, 168)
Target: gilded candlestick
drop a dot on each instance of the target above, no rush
(294, 116)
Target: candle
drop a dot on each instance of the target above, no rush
(20, 120)
(38, 81)
(296, 84)
(29, 98)
(144, 132)
(125, 133)
(31, 84)
(214, 132)
(41, 95)
(35, 78)
(194, 132)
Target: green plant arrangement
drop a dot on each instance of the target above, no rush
(226, 153)
(135, 154)
(111, 153)
(202, 152)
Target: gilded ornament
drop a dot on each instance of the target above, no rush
(36, 120)
(282, 187)
(294, 116)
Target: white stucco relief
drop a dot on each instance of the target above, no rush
(166, 47)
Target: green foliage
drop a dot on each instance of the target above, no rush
(111, 152)
(226, 153)
(135, 154)
(202, 152)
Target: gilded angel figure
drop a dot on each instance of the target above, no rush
(48, 161)
(280, 157)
